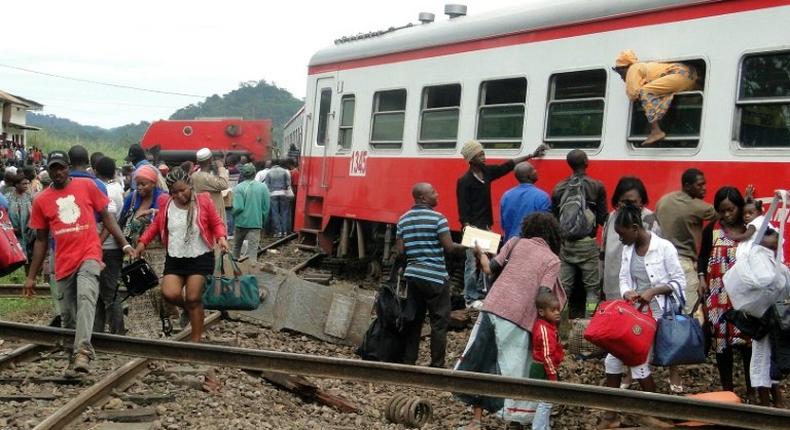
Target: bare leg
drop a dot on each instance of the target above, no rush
(764, 396)
(612, 419)
(194, 304)
(172, 288)
(647, 384)
(675, 381)
(477, 419)
(656, 134)
(776, 393)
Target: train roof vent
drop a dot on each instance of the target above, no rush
(454, 10)
(426, 17)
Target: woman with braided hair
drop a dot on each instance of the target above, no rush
(189, 227)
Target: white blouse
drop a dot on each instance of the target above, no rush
(194, 245)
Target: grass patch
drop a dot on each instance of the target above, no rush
(16, 277)
(14, 307)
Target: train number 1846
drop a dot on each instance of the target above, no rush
(359, 163)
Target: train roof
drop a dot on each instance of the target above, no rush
(537, 15)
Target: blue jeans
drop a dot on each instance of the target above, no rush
(281, 214)
(475, 287)
(229, 217)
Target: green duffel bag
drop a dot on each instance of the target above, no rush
(238, 292)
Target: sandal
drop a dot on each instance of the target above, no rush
(167, 326)
(472, 425)
(610, 420)
(676, 389)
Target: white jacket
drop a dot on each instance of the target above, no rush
(662, 265)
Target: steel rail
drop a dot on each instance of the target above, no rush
(276, 243)
(21, 353)
(306, 262)
(15, 290)
(658, 405)
(117, 379)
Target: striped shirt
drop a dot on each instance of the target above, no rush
(419, 228)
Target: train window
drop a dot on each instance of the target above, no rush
(323, 116)
(683, 119)
(346, 122)
(764, 101)
(500, 115)
(439, 116)
(575, 109)
(389, 112)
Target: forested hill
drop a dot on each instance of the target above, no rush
(252, 100)
(64, 128)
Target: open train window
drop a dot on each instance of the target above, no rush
(323, 116)
(683, 120)
(575, 109)
(500, 113)
(763, 105)
(389, 112)
(439, 116)
(346, 131)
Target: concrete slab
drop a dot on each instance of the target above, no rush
(337, 313)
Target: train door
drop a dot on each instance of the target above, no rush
(321, 124)
(316, 169)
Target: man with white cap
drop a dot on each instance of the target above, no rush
(473, 192)
(211, 179)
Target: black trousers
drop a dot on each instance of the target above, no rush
(435, 300)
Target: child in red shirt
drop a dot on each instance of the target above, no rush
(547, 352)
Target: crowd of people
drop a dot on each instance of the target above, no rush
(673, 257)
(80, 216)
(77, 216)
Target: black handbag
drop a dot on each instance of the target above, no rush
(138, 277)
(753, 327)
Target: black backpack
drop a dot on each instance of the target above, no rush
(384, 340)
(576, 219)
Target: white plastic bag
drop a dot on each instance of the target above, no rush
(759, 278)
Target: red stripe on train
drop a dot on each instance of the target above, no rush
(384, 193)
(684, 13)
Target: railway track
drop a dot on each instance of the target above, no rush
(15, 290)
(117, 380)
(43, 291)
(659, 405)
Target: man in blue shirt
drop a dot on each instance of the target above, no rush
(522, 200)
(423, 236)
(79, 166)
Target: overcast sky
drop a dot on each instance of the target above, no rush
(195, 47)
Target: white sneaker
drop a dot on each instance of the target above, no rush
(476, 305)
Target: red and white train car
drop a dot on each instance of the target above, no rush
(387, 111)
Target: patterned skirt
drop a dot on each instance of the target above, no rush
(656, 96)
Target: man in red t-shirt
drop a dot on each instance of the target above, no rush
(66, 209)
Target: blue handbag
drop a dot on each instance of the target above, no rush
(679, 338)
(225, 293)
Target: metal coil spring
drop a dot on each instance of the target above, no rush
(410, 411)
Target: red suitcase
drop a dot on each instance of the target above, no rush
(12, 256)
(623, 331)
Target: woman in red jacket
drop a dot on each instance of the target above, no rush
(188, 226)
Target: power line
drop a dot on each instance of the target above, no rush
(109, 84)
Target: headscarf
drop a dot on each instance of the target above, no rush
(470, 149)
(148, 172)
(164, 169)
(626, 58)
(179, 175)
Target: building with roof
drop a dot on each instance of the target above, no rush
(13, 127)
